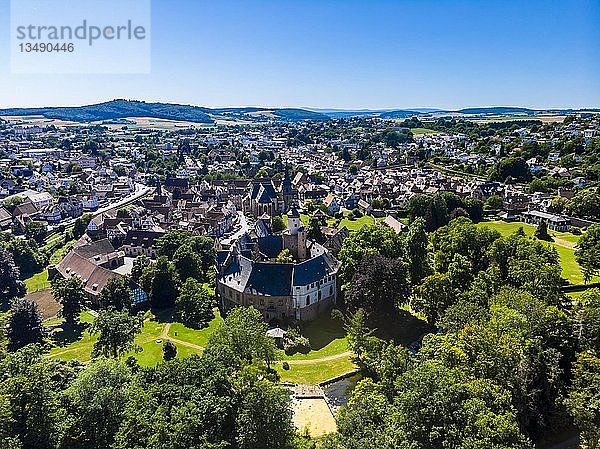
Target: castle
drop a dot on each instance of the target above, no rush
(249, 275)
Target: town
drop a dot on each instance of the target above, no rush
(315, 229)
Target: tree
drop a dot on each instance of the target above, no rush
(24, 324)
(243, 332)
(194, 305)
(541, 232)
(587, 320)
(164, 284)
(70, 294)
(10, 285)
(416, 249)
(31, 415)
(358, 334)
(277, 224)
(117, 331)
(368, 239)
(314, 231)
(187, 263)
(116, 293)
(171, 242)
(81, 225)
(432, 208)
(441, 407)
(512, 168)
(584, 398)
(36, 230)
(585, 203)
(257, 429)
(434, 296)
(139, 263)
(588, 252)
(378, 286)
(285, 256)
(169, 351)
(494, 202)
(95, 402)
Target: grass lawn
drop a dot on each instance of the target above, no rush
(327, 337)
(38, 281)
(422, 131)
(356, 224)
(317, 372)
(195, 336)
(80, 346)
(73, 347)
(564, 243)
(352, 225)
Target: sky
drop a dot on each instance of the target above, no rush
(345, 54)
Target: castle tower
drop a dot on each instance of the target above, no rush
(293, 221)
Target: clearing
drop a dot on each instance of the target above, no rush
(564, 242)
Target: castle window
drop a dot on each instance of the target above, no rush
(308, 300)
(330, 291)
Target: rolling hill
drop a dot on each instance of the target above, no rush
(119, 109)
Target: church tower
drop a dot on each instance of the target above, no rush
(286, 188)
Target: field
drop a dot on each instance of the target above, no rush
(564, 242)
(423, 131)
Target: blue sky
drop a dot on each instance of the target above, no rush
(347, 54)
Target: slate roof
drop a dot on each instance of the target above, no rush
(144, 239)
(270, 245)
(312, 270)
(273, 279)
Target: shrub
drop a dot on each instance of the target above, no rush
(285, 366)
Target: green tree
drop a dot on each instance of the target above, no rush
(95, 402)
(164, 283)
(169, 351)
(257, 429)
(10, 285)
(116, 293)
(494, 202)
(277, 224)
(171, 242)
(314, 231)
(416, 250)
(117, 331)
(588, 252)
(194, 305)
(285, 256)
(243, 332)
(36, 230)
(24, 324)
(379, 286)
(31, 415)
(541, 232)
(81, 224)
(434, 296)
(70, 294)
(187, 263)
(583, 401)
(368, 239)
